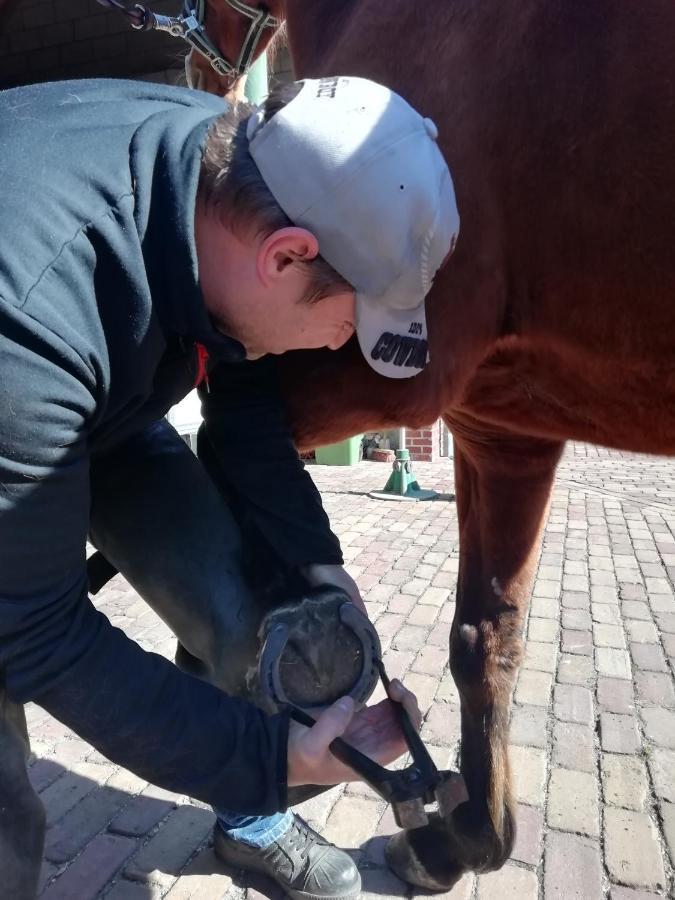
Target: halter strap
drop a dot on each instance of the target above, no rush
(189, 26)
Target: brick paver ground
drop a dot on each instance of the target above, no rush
(593, 725)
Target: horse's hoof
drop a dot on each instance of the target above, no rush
(406, 864)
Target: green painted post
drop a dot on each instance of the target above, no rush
(402, 484)
(256, 80)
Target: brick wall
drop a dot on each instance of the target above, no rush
(424, 443)
(42, 40)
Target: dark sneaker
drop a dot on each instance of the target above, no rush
(305, 865)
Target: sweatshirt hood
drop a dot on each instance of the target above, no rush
(165, 158)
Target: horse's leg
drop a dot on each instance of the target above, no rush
(503, 484)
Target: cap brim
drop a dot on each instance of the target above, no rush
(393, 341)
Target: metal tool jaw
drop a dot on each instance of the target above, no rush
(409, 790)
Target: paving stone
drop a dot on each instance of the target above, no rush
(636, 609)
(619, 734)
(576, 670)
(572, 703)
(528, 767)
(353, 821)
(133, 890)
(576, 619)
(666, 620)
(165, 854)
(659, 726)
(43, 772)
(65, 793)
(544, 608)
(447, 689)
(613, 663)
(533, 688)
(441, 724)
(431, 661)
(546, 590)
(575, 583)
(380, 883)
(616, 696)
(540, 656)
(435, 596)
(606, 614)
(662, 768)
(529, 828)
(424, 615)
(579, 642)
(642, 632)
(649, 657)
(144, 811)
(528, 726)
(47, 872)
(510, 883)
(573, 802)
(668, 816)
(409, 637)
(632, 852)
(401, 604)
(389, 623)
(624, 780)
(576, 600)
(423, 686)
(85, 877)
(78, 827)
(572, 867)
(544, 630)
(624, 893)
(655, 689)
(604, 593)
(608, 636)
(574, 747)
(317, 810)
(206, 878)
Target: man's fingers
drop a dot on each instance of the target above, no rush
(401, 694)
(330, 724)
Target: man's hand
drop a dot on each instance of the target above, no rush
(318, 574)
(374, 731)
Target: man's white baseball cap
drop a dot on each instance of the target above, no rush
(356, 165)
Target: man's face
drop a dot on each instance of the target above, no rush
(254, 290)
(299, 325)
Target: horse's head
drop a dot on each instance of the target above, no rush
(236, 32)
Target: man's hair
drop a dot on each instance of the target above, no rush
(231, 185)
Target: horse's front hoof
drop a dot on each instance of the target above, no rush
(410, 861)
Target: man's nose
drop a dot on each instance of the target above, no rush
(341, 337)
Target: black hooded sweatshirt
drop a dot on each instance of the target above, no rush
(100, 315)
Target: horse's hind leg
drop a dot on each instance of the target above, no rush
(503, 485)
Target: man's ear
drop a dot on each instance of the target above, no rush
(282, 248)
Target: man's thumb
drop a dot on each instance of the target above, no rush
(331, 723)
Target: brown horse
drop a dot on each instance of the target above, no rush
(555, 318)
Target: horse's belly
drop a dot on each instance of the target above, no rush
(629, 406)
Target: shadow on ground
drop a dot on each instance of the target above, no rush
(105, 841)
